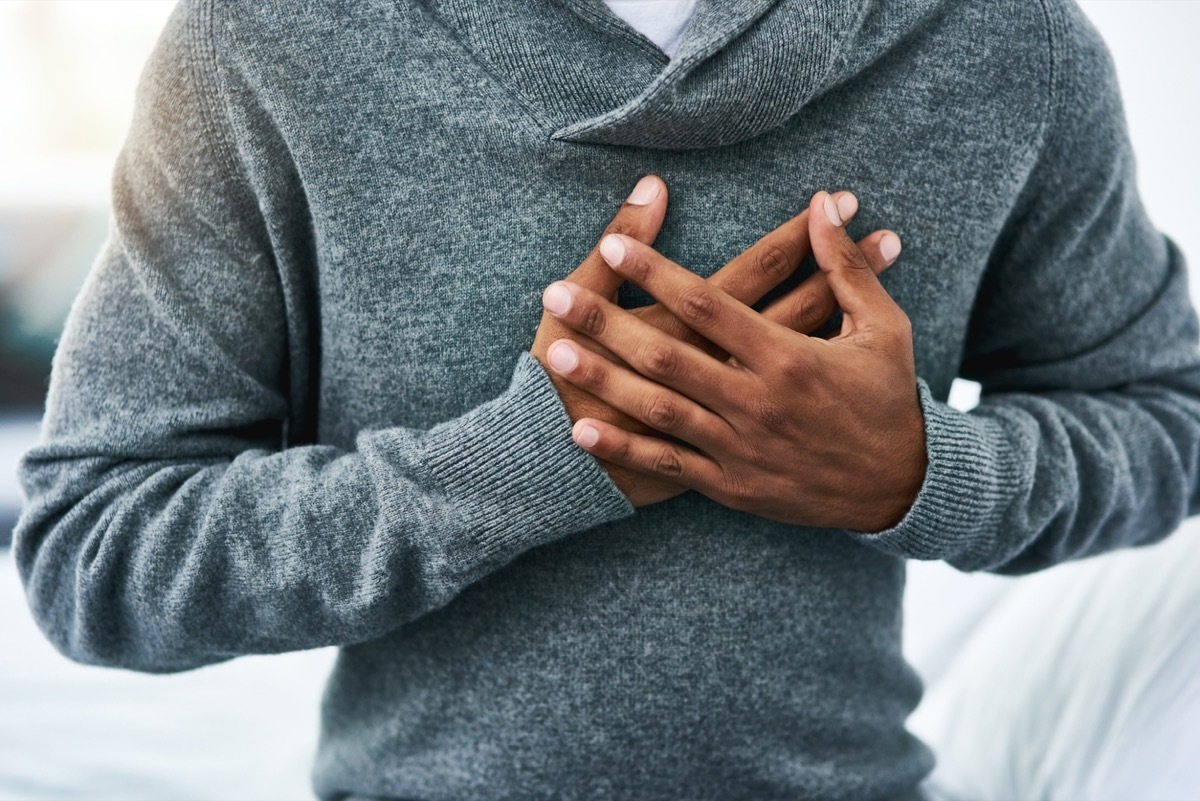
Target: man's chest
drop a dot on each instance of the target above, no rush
(438, 269)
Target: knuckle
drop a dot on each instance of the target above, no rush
(769, 415)
(621, 224)
(592, 375)
(662, 412)
(636, 264)
(698, 306)
(798, 370)
(659, 362)
(738, 493)
(809, 312)
(668, 463)
(592, 320)
(772, 261)
(853, 257)
(815, 315)
(620, 451)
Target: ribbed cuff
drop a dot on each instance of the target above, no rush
(514, 473)
(969, 482)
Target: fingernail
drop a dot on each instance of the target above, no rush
(562, 357)
(645, 191)
(831, 211)
(587, 436)
(557, 299)
(612, 249)
(889, 247)
(847, 204)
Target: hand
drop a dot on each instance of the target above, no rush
(794, 428)
(748, 277)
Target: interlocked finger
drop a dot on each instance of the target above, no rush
(657, 406)
(640, 216)
(650, 455)
(736, 328)
(648, 350)
(864, 302)
(810, 305)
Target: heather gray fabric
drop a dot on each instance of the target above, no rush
(293, 408)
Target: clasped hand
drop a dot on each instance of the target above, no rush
(819, 432)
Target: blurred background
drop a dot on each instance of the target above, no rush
(68, 69)
(67, 73)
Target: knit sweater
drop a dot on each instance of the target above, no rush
(293, 405)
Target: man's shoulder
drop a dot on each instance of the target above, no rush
(273, 53)
(261, 27)
(1039, 55)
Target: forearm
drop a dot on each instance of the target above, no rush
(1068, 457)
(1029, 480)
(168, 563)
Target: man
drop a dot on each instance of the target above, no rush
(285, 412)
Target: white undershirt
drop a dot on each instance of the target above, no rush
(661, 21)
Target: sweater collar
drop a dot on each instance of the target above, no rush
(743, 67)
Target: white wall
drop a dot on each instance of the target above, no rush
(1158, 62)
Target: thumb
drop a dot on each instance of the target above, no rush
(640, 217)
(862, 298)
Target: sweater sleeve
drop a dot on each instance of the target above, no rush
(169, 525)
(1083, 337)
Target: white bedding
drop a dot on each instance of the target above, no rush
(245, 729)
(1080, 682)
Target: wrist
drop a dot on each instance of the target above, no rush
(905, 471)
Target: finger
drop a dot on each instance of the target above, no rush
(728, 324)
(640, 217)
(646, 454)
(864, 301)
(753, 273)
(648, 350)
(810, 305)
(767, 263)
(657, 406)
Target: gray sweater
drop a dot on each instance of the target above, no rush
(293, 405)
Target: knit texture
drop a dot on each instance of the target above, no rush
(293, 405)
